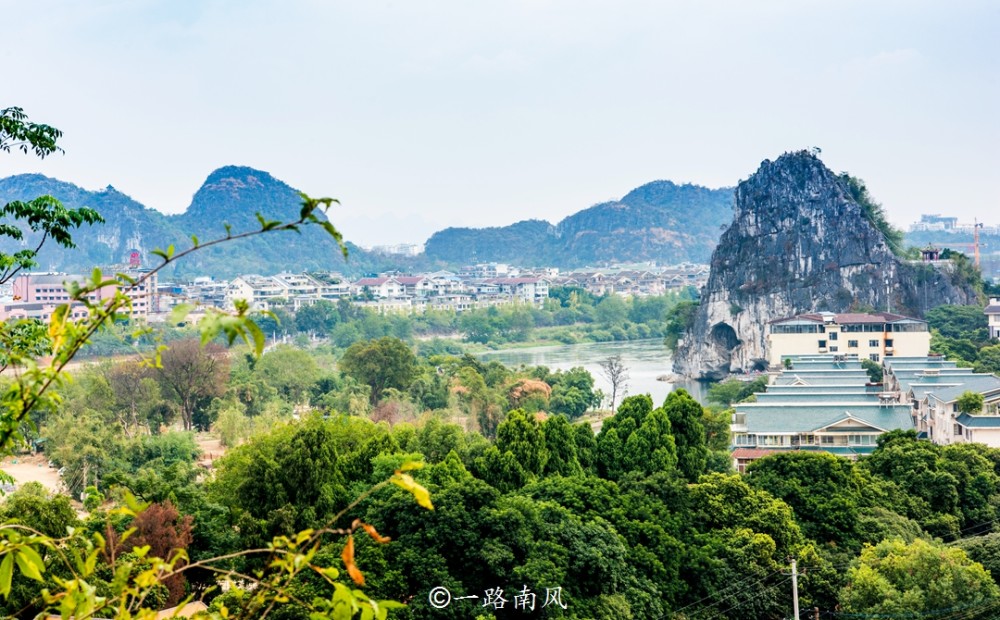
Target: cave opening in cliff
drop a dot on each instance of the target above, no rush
(723, 336)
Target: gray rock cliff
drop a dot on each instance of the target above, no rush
(799, 242)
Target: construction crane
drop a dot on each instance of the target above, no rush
(975, 245)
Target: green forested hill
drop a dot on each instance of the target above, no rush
(232, 194)
(659, 221)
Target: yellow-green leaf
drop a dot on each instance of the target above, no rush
(420, 494)
(27, 564)
(6, 574)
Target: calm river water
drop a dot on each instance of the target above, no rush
(645, 359)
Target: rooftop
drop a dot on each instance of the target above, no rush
(848, 318)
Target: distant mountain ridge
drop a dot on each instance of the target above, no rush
(232, 194)
(659, 221)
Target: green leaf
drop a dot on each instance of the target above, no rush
(259, 339)
(6, 574)
(180, 313)
(30, 563)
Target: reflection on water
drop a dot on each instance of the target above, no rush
(645, 359)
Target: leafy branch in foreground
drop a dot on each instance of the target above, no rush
(16, 131)
(74, 564)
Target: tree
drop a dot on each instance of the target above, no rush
(919, 579)
(522, 435)
(874, 370)
(168, 535)
(611, 311)
(679, 320)
(572, 392)
(685, 416)
(320, 317)
(135, 394)
(381, 364)
(821, 488)
(33, 505)
(970, 402)
(192, 375)
(289, 370)
(733, 391)
(989, 359)
(617, 375)
(959, 322)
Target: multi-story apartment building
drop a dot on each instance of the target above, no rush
(868, 336)
(528, 290)
(37, 295)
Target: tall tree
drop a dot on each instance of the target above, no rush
(521, 435)
(384, 363)
(685, 416)
(615, 371)
(192, 375)
(135, 394)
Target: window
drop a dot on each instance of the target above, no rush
(852, 344)
(796, 329)
(833, 349)
(826, 440)
(958, 430)
(833, 335)
(888, 342)
(873, 357)
(822, 344)
(873, 343)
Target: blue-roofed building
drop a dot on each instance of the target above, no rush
(932, 387)
(818, 405)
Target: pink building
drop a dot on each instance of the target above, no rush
(36, 295)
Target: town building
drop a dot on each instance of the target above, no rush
(993, 317)
(37, 295)
(822, 403)
(873, 336)
(932, 387)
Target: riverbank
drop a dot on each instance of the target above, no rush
(645, 361)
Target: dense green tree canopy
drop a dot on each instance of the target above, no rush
(920, 578)
(381, 364)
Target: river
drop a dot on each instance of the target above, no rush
(645, 360)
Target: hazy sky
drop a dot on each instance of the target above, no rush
(419, 115)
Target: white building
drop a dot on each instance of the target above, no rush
(869, 336)
(993, 316)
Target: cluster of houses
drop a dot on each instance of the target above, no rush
(820, 396)
(36, 295)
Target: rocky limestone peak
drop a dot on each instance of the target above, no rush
(236, 193)
(799, 242)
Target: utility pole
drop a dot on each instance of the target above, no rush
(795, 590)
